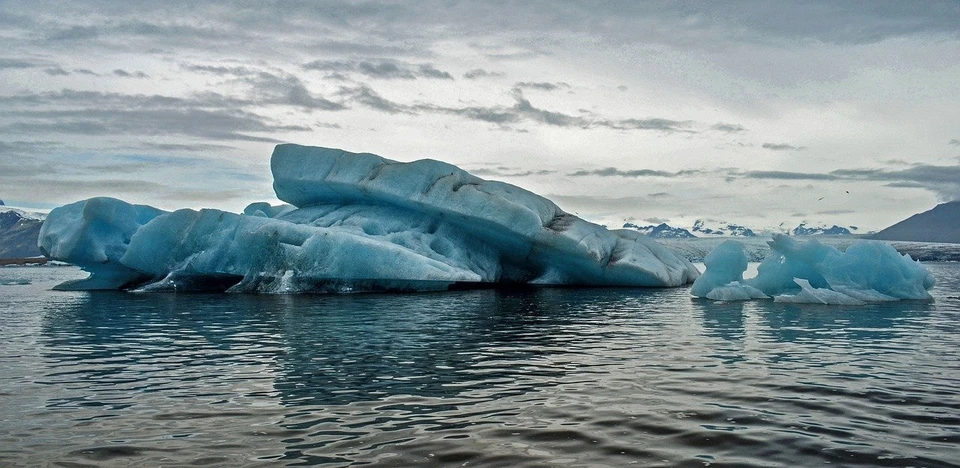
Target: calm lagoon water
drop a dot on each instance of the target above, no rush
(544, 377)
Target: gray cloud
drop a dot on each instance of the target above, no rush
(270, 88)
(288, 90)
(366, 96)
(386, 70)
(954, 142)
(659, 195)
(689, 23)
(784, 175)
(190, 148)
(481, 73)
(190, 123)
(616, 205)
(614, 172)
(398, 28)
(664, 125)
(126, 74)
(127, 28)
(56, 71)
(728, 128)
(73, 33)
(164, 177)
(20, 147)
(503, 171)
(15, 175)
(835, 212)
(381, 69)
(782, 147)
(207, 116)
(93, 38)
(220, 70)
(366, 48)
(522, 111)
(62, 189)
(96, 99)
(15, 63)
(65, 190)
(543, 86)
(429, 71)
(944, 181)
(525, 109)
(210, 196)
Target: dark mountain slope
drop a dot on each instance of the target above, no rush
(18, 235)
(941, 224)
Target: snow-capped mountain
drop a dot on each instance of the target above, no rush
(34, 215)
(804, 230)
(702, 229)
(718, 229)
(661, 231)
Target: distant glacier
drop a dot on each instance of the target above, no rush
(702, 228)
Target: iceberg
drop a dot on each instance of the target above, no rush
(811, 272)
(723, 278)
(355, 222)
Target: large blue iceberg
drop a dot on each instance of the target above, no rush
(355, 222)
(811, 272)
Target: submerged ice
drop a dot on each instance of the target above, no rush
(355, 222)
(811, 272)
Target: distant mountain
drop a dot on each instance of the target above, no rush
(804, 230)
(18, 235)
(700, 229)
(941, 224)
(661, 231)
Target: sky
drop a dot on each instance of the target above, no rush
(757, 113)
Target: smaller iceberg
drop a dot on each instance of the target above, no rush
(813, 273)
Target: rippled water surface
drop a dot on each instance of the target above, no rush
(544, 377)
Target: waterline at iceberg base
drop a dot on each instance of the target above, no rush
(355, 222)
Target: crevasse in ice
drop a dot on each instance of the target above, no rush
(811, 272)
(355, 222)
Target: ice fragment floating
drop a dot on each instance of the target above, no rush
(811, 272)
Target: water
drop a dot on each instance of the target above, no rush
(546, 377)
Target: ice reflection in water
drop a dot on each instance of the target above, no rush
(588, 377)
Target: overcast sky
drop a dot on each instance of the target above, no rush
(759, 113)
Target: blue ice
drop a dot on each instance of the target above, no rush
(356, 222)
(811, 272)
